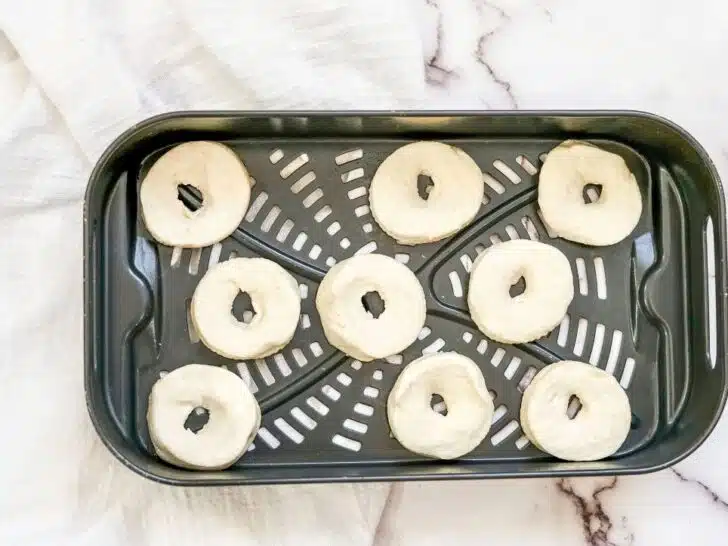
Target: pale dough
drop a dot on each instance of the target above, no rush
(527, 316)
(350, 327)
(220, 176)
(460, 383)
(452, 203)
(275, 298)
(568, 168)
(234, 417)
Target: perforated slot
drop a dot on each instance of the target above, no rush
(467, 263)
(394, 359)
(299, 415)
(352, 175)
(493, 184)
(344, 379)
(527, 378)
(331, 261)
(313, 197)
(457, 287)
(304, 321)
(176, 258)
(497, 357)
(195, 257)
(256, 206)
(330, 392)
(495, 239)
(361, 210)
(299, 357)
(467, 337)
(346, 157)
(479, 249)
(377, 375)
(512, 367)
(626, 378)
(345, 243)
(355, 426)
(424, 333)
(294, 165)
(506, 171)
(264, 372)
(356, 193)
(275, 156)
(498, 414)
(316, 405)
(434, 347)
(482, 347)
(370, 392)
(268, 438)
(614, 352)
(270, 218)
(522, 442)
(292, 434)
(581, 275)
(315, 252)
(601, 277)
(283, 366)
(512, 232)
(316, 349)
(356, 365)
(367, 228)
(368, 248)
(299, 241)
(364, 409)
(526, 165)
(334, 228)
(402, 258)
(244, 374)
(580, 336)
(596, 351)
(303, 182)
(346, 443)
(284, 230)
(530, 228)
(303, 291)
(322, 213)
(504, 433)
(215, 252)
(563, 331)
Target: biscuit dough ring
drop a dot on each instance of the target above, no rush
(451, 204)
(460, 383)
(527, 316)
(599, 428)
(571, 166)
(275, 299)
(234, 417)
(349, 327)
(219, 175)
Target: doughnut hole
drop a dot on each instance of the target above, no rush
(518, 287)
(573, 407)
(373, 304)
(243, 309)
(591, 193)
(424, 186)
(190, 196)
(438, 405)
(197, 419)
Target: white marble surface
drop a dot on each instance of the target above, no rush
(72, 75)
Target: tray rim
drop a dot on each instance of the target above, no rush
(116, 443)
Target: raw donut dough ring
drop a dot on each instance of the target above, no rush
(568, 168)
(234, 417)
(419, 428)
(220, 176)
(532, 314)
(350, 327)
(275, 298)
(598, 429)
(452, 203)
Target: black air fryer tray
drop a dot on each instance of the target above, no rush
(644, 309)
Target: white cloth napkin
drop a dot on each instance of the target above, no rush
(73, 74)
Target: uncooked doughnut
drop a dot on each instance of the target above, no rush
(568, 168)
(452, 203)
(220, 176)
(460, 383)
(234, 417)
(541, 306)
(598, 429)
(350, 327)
(275, 298)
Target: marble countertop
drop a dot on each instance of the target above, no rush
(663, 56)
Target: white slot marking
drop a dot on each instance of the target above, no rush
(601, 278)
(627, 373)
(264, 371)
(356, 193)
(191, 330)
(255, 206)
(265, 435)
(314, 196)
(522, 441)
(526, 379)
(485, 200)
(322, 213)
(294, 165)
(303, 291)
(367, 228)
(275, 156)
(315, 252)
(246, 377)
(581, 275)
(512, 232)
(482, 347)
(592, 195)
(162, 373)
(479, 249)
(457, 287)
(493, 184)
(506, 171)
(498, 414)
(361, 210)
(176, 257)
(330, 392)
(232, 255)
(563, 331)
(284, 230)
(299, 415)
(580, 336)
(251, 447)
(709, 260)
(283, 366)
(467, 337)
(270, 218)
(355, 426)
(377, 375)
(433, 347)
(215, 252)
(512, 368)
(353, 155)
(467, 263)
(497, 357)
(299, 357)
(504, 433)
(247, 317)
(305, 321)
(317, 405)
(530, 228)
(495, 239)
(303, 182)
(352, 175)
(368, 248)
(363, 409)
(334, 228)
(402, 258)
(346, 443)
(526, 165)
(370, 392)
(344, 379)
(331, 261)
(299, 241)
(356, 365)
(394, 359)
(614, 352)
(282, 425)
(596, 351)
(195, 257)
(424, 333)
(316, 349)
(345, 243)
